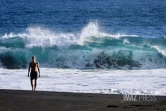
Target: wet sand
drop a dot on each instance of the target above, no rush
(20, 100)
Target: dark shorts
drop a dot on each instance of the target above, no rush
(33, 75)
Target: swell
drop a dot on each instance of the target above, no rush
(90, 48)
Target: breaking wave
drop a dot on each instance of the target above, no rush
(89, 48)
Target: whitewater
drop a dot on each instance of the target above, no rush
(144, 82)
(78, 73)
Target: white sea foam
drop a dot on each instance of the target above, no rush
(89, 81)
(126, 41)
(38, 36)
(160, 50)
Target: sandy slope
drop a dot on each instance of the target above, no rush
(20, 100)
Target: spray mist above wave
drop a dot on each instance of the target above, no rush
(38, 36)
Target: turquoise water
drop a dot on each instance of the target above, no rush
(83, 34)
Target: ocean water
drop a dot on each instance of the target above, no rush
(83, 35)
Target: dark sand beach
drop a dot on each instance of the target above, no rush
(20, 100)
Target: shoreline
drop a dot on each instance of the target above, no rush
(14, 100)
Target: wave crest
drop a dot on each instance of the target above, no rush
(91, 48)
(38, 36)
